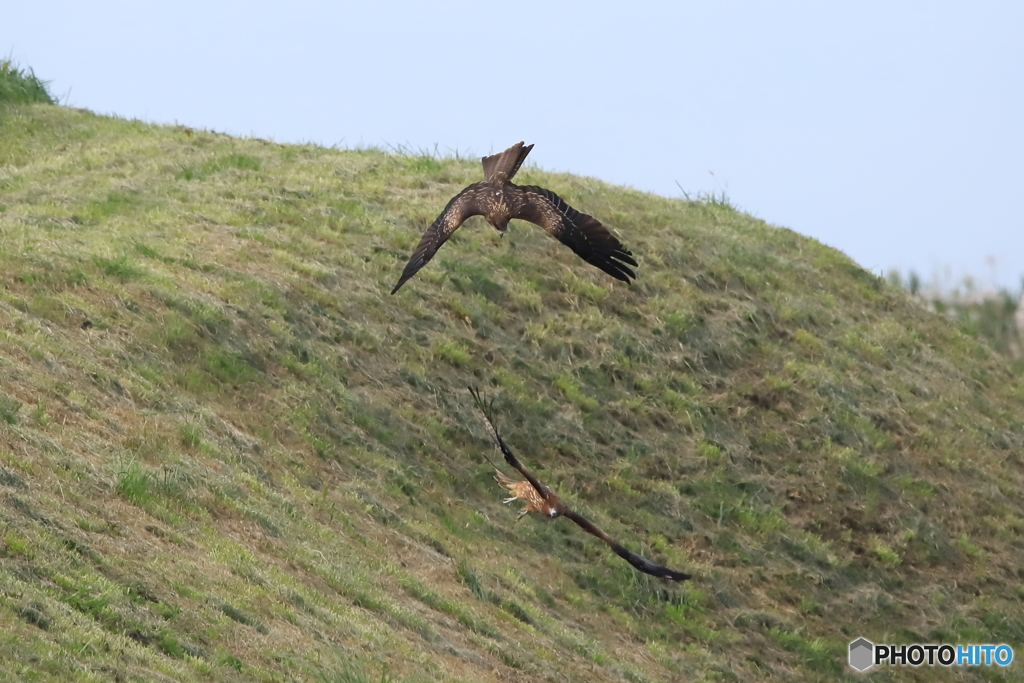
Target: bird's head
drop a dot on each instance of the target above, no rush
(500, 224)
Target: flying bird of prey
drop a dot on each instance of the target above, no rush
(541, 499)
(499, 200)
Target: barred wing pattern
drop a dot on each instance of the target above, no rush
(461, 207)
(510, 458)
(581, 232)
(499, 200)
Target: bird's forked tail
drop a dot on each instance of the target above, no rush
(503, 166)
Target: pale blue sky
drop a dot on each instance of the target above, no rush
(891, 130)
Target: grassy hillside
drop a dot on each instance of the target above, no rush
(227, 454)
(993, 315)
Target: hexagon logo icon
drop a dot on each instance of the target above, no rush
(862, 653)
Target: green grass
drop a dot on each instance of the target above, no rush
(253, 463)
(990, 315)
(21, 86)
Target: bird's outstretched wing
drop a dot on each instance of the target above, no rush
(462, 206)
(580, 232)
(510, 458)
(641, 563)
(503, 166)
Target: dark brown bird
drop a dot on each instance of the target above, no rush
(541, 499)
(499, 200)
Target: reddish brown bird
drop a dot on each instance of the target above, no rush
(541, 499)
(499, 200)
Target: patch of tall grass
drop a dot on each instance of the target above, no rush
(22, 86)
